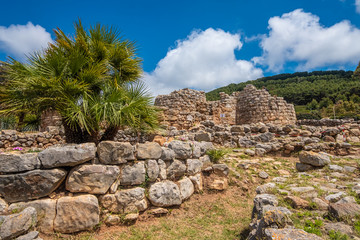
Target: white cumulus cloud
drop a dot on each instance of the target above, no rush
(299, 37)
(18, 40)
(204, 60)
(357, 4)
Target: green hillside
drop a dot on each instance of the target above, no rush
(317, 90)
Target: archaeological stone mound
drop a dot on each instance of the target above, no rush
(185, 108)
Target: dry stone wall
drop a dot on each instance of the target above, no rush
(73, 187)
(185, 108)
(259, 106)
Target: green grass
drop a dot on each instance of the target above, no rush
(216, 154)
(313, 226)
(336, 235)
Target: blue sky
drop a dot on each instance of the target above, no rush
(202, 44)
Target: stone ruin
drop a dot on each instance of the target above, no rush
(185, 108)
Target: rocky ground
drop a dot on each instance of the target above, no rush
(321, 203)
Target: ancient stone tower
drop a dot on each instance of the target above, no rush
(255, 105)
(186, 108)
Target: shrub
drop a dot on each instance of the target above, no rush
(216, 154)
(336, 235)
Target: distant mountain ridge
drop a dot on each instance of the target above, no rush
(301, 88)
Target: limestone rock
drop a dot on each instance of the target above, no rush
(162, 169)
(13, 163)
(320, 204)
(265, 188)
(131, 217)
(182, 149)
(75, 214)
(165, 194)
(167, 154)
(133, 175)
(221, 169)
(3, 206)
(202, 136)
(263, 175)
(67, 155)
(186, 188)
(339, 227)
(125, 201)
(152, 169)
(176, 170)
(193, 166)
(216, 183)
(30, 185)
(95, 179)
(289, 233)
(46, 211)
(335, 197)
(205, 146)
(149, 150)
(112, 220)
(261, 200)
(297, 202)
(158, 211)
(29, 236)
(314, 159)
(17, 224)
(301, 167)
(344, 210)
(197, 180)
(110, 152)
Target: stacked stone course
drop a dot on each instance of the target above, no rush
(72, 187)
(259, 106)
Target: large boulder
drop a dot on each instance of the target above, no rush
(46, 211)
(167, 154)
(17, 224)
(165, 194)
(149, 150)
(133, 175)
(13, 163)
(182, 149)
(95, 179)
(30, 185)
(202, 136)
(110, 152)
(67, 155)
(75, 214)
(262, 200)
(125, 201)
(289, 233)
(343, 211)
(186, 188)
(314, 159)
(176, 169)
(193, 166)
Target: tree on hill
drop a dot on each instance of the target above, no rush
(357, 72)
(91, 79)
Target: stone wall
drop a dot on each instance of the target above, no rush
(259, 106)
(186, 108)
(70, 188)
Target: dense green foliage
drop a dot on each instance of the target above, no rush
(302, 87)
(91, 79)
(315, 95)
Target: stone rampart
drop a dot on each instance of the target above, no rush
(74, 187)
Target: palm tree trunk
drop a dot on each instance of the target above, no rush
(109, 133)
(73, 135)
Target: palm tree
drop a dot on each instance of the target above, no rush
(91, 79)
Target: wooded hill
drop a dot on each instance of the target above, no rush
(301, 88)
